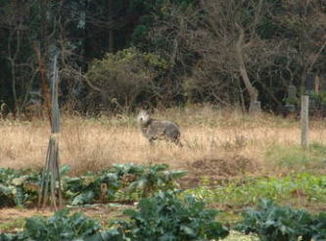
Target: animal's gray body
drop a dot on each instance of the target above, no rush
(158, 129)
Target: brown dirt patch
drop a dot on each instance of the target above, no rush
(228, 167)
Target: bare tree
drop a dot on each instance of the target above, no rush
(232, 44)
(22, 66)
(252, 91)
(240, 53)
(309, 28)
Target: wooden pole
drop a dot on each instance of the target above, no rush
(50, 190)
(304, 121)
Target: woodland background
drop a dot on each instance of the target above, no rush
(117, 55)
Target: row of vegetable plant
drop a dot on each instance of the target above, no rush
(122, 182)
(169, 217)
(130, 182)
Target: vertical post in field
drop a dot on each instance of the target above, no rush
(50, 190)
(304, 115)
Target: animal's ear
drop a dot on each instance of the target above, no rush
(138, 111)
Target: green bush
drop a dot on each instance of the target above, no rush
(165, 217)
(275, 223)
(121, 77)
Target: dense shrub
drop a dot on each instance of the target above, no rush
(120, 78)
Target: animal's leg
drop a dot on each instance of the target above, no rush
(151, 141)
(178, 142)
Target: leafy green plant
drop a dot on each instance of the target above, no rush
(156, 177)
(11, 237)
(59, 227)
(83, 189)
(165, 217)
(162, 217)
(124, 182)
(275, 223)
(318, 227)
(18, 187)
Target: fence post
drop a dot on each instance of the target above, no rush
(304, 121)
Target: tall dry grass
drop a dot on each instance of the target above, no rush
(220, 140)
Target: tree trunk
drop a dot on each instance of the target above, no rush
(254, 106)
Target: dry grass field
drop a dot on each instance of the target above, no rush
(216, 142)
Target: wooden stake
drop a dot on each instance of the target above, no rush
(50, 190)
(305, 121)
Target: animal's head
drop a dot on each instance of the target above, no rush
(143, 117)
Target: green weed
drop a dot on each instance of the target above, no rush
(302, 187)
(16, 224)
(298, 159)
